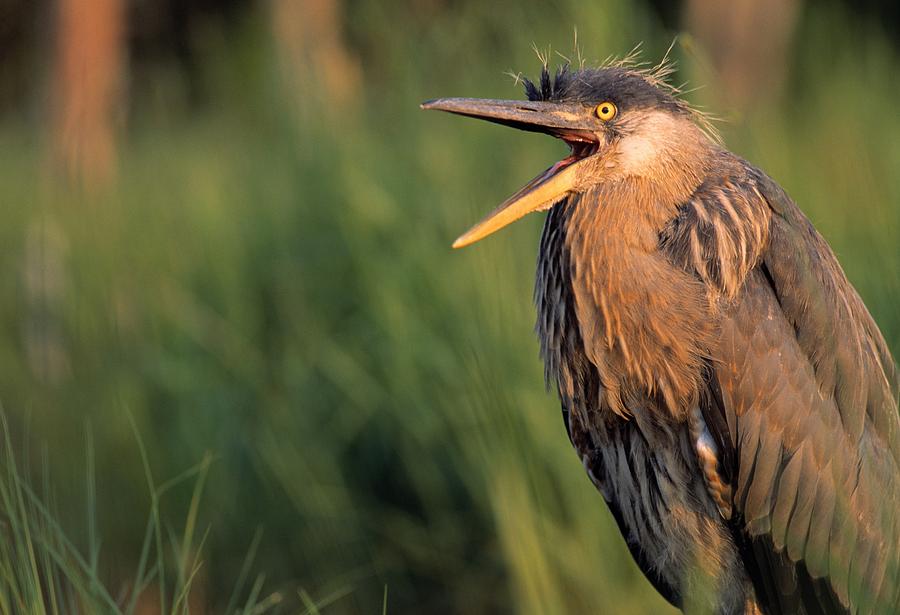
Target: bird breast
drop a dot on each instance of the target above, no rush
(644, 324)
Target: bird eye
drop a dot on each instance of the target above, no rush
(606, 110)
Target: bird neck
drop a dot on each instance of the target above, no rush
(645, 324)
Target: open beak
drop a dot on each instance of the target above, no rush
(570, 122)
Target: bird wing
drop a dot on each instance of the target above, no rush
(802, 401)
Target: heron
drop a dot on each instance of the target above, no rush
(722, 382)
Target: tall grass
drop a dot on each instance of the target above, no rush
(44, 572)
(270, 279)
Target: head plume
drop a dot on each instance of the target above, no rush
(580, 83)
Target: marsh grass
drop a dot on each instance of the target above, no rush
(43, 572)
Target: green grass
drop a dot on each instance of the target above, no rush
(43, 572)
(270, 280)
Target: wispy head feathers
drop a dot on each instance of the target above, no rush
(548, 88)
(627, 81)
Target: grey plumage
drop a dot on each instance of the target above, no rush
(722, 382)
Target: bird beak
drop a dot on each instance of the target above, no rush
(569, 122)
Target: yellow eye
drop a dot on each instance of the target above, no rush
(606, 110)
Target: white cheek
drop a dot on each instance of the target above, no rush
(637, 152)
(641, 150)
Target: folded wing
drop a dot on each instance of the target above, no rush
(803, 400)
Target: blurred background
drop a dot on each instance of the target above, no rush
(224, 241)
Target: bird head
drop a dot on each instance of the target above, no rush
(619, 121)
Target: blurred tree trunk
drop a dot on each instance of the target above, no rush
(87, 87)
(748, 41)
(316, 63)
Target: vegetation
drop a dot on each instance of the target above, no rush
(267, 287)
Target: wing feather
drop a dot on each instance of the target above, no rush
(835, 416)
(807, 413)
(786, 500)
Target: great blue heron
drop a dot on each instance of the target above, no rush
(723, 383)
